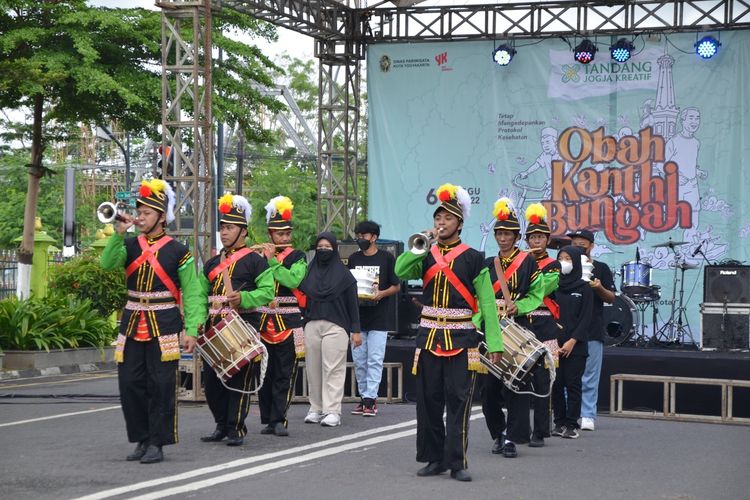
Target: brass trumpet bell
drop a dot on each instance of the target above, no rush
(419, 243)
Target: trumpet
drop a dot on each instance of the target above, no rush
(108, 212)
(418, 243)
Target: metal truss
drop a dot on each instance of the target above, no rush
(547, 19)
(323, 19)
(187, 118)
(338, 121)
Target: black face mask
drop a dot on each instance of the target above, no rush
(363, 244)
(324, 255)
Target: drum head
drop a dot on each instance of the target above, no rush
(620, 320)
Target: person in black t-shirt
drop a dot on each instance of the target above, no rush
(376, 315)
(603, 286)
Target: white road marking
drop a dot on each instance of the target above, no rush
(61, 415)
(246, 461)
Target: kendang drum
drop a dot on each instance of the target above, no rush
(621, 320)
(522, 352)
(230, 345)
(636, 278)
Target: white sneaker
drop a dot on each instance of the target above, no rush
(331, 420)
(587, 424)
(313, 417)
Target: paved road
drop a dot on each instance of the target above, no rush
(73, 444)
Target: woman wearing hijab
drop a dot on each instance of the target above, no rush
(576, 301)
(332, 311)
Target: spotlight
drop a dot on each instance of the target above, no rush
(707, 47)
(622, 50)
(584, 51)
(503, 55)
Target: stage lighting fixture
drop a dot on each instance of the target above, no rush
(622, 50)
(503, 55)
(707, 47)
(584, 51)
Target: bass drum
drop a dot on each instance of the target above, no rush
(621, 320)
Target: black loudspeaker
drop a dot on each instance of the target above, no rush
(726, 284)
(348, 247)
(725, 326)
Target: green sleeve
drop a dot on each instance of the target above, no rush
(533, 299)
(262, 295)
(291, 277)
(409, 266)
(551, 282)
(194, 302)
(487, 311)
(114, 253)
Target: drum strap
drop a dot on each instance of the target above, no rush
(512, 268)
(442, 264)
(545, 262)
(301, 297)
(148, 253)
(225, 263)
(547, 301)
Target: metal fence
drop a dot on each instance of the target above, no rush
(9, 270)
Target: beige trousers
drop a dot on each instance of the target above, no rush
(326, 344)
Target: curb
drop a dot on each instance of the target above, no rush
(57, 370)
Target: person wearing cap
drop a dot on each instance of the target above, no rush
(160, 275)
(603, 285)
(524, 283)
(543, 320)
(281, 320)
(575, 299)
(376, 315)
(240, 279)
(457, 299)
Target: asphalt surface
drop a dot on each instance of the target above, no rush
(64, 437)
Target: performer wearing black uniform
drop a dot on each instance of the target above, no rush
(457, 291)
(160, 275)
(526, 291)
(236, 278)
(281, 320)
(576, 301)
(542, 321)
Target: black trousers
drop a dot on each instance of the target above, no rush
(540, 381)
(148, 393)
(278, 385)
(567, 410)
(228, 407)
(444, 384)
(494, 395)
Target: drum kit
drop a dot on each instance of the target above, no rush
(625, 319)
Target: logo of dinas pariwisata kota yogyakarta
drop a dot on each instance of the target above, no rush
(385, 63)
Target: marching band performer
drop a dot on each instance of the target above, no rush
(543, 320)
(457, 297)
(237, 278)
(160, 275)
(281, 320)
(518, 270)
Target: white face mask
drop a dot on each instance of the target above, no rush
(566, 266)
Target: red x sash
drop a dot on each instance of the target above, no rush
(224, 264)
(512, 268)
(553, 307)
(442, 264)
(301, 297)
(148, 253)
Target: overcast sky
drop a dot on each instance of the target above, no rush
(293, 43)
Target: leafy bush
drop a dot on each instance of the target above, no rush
(84, 278)
(55, 322)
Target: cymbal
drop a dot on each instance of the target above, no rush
(669, 244)
(687, 265)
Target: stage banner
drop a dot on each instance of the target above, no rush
(647, 152)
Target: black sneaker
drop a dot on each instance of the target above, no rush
(509, 450)
(360, 408)
(558, 430)
(570, 433)
(536, 441)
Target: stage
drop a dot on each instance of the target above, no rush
(672, 361)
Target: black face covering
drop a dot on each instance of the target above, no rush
(324, 255)
(363, 244)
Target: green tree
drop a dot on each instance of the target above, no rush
(71, 63)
